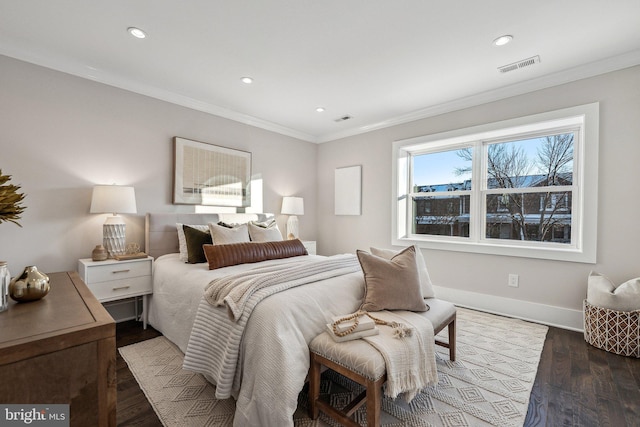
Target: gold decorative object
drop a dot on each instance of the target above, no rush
(99, 253)
(31, 285)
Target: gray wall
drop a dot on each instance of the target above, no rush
(550, 283)
(60, 135)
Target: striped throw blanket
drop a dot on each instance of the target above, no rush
(236, 291)
(241, 293)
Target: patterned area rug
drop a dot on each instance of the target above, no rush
(488, 385)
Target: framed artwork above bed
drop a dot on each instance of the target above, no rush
(206, 174)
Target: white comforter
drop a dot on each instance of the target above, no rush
(274, 357)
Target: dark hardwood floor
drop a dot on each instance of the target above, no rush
(580, 385)
(133, 408)
(576, 384)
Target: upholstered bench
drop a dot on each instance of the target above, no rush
(362, 363)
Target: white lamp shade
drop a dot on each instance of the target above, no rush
(292, 206)
(113, 199)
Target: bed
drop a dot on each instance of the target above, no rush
(272, 359)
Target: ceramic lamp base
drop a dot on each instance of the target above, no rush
(292, 227)
(113, 238)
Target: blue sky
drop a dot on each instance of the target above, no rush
(439, 168)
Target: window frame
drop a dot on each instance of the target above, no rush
(583, 119)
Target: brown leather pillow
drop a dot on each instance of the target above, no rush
(243, 253)
(392, 284)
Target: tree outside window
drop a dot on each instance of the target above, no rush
(541, 166)
(521, 187)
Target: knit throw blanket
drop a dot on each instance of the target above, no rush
(235, 291)
(215, 343)
(410, 360)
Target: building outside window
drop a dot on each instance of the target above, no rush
(513, 188)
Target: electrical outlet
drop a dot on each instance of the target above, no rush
(513, 280)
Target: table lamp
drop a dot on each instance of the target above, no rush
(113, 199)
(292, 206)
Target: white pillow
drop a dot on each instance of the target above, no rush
(602, 292)
(261, 232)
(223, 235)
(182, 242)
(423, 274)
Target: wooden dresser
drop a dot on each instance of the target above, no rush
(61, 349)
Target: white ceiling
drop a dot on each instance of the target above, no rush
(382, 62)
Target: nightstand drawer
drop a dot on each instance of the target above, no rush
(117, 271)
(117, 289)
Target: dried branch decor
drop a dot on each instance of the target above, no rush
(10, 201)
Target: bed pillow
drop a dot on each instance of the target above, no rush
(225, 225)
(222, 235)
(423, 273)
(182, 243)
(220, 256)
(264, 232)
(391, 284)
(602, 292)
(195, 239)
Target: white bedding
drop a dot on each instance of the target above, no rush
(274, 357)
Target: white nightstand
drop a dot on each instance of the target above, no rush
(310, 245)
(113, 280)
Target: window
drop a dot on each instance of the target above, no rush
(517, 187)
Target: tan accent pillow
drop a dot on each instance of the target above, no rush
(220, 256)
(222, 235)
(261, 232)
(423, 273)
(391, 284)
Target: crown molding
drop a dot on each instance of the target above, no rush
(78, 69)
(81, 70)
(592, 69)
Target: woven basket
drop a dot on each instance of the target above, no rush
(610, 330)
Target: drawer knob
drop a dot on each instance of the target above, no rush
(120, 271)
(121, 287)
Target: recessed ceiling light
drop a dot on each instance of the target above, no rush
(502, 40)
(320, 109)
(247, 80)
(137, 32)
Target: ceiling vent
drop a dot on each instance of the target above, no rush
(520, 64)
(342, 119)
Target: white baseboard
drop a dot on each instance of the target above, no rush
(559, 317)
(534, 312)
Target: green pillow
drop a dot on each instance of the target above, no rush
(195, 239)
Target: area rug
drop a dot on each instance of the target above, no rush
(488, 385)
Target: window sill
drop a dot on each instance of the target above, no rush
(547, 252)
